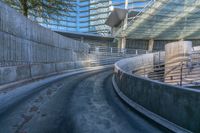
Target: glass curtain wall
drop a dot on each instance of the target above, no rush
(89, 16)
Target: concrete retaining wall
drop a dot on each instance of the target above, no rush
(175, 104)
(137, 62)
(30, 50)
(22, 40)
(27, 72)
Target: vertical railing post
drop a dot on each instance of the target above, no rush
(159, 57)
(136, 52)
(181, 74)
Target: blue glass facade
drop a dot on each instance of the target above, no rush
(89, 16)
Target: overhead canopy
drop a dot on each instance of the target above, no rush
(116, 17)
(165, 19)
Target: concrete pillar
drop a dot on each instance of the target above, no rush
(122, 43)
(82, 39)
(177, 53)
(118, 43)
(151, 43)
(122, 40)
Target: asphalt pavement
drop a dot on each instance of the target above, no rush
(82, 103)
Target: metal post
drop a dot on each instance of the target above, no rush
(144, 72)
(181, 74)
(159, 56)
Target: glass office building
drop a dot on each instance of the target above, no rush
(89, 16)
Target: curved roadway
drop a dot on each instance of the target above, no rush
(82, 103)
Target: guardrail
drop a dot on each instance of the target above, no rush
(115, 51)
(107, 55)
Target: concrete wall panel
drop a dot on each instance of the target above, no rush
(42, 69)
(22, 72)
(7, 74)
(14, 73)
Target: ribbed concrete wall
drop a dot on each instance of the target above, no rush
(25, 41)
(28, 49)
(175, 104)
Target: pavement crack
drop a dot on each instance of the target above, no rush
(26, 119)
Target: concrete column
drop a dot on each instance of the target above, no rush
(176, 54)
(122, 40)
(122, 43)
(82, 39)
(151, 43)
(118, 43)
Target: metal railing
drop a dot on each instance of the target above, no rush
(115, 51)
(110, 55)
(184, 72)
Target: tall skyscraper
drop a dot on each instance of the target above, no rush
(89, 16)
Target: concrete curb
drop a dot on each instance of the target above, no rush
(156, 118)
